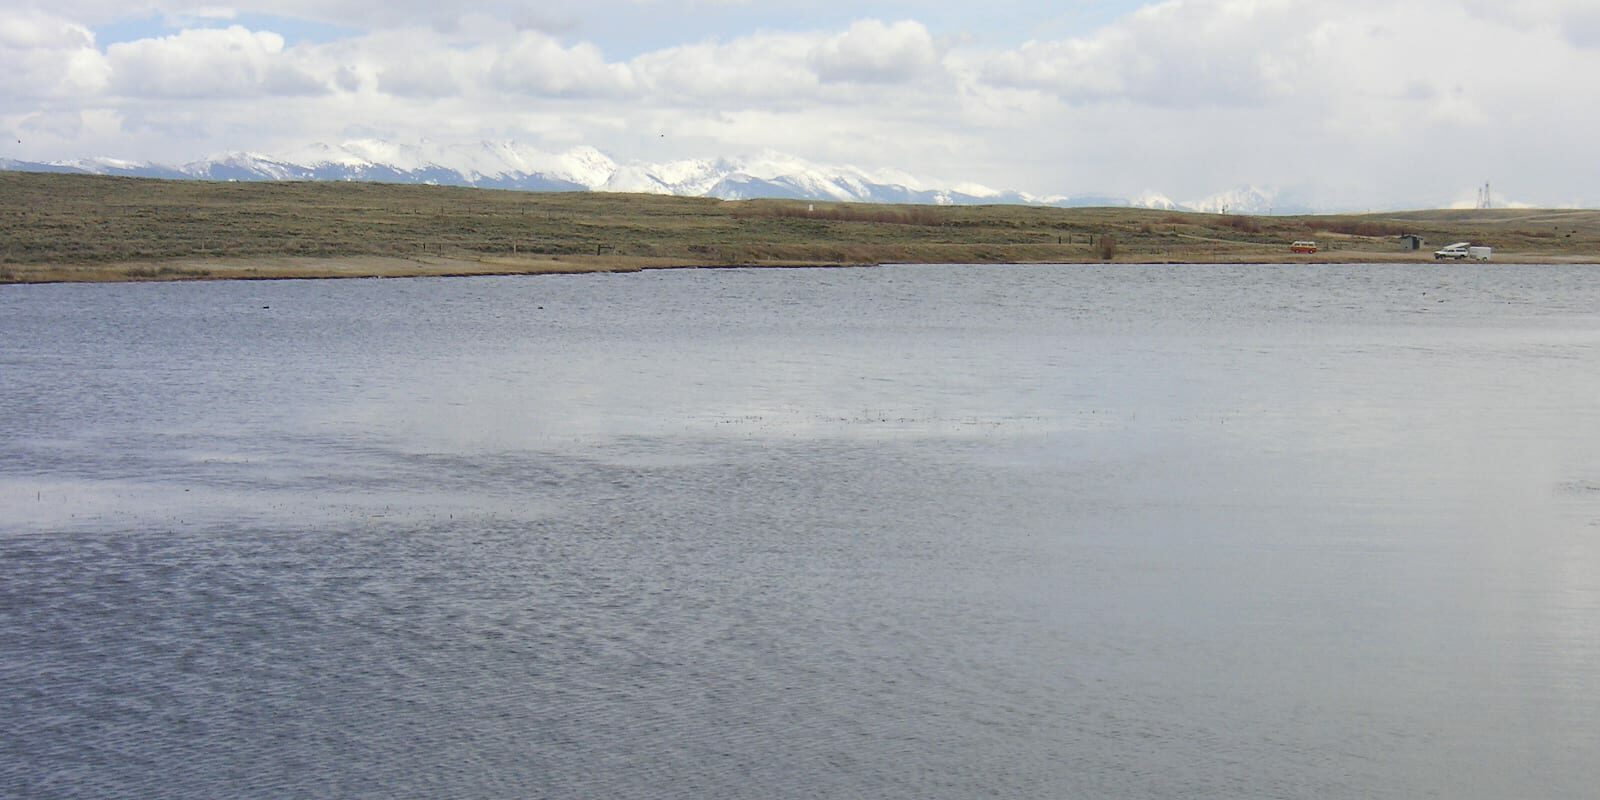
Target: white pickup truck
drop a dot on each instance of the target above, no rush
(1462, 251)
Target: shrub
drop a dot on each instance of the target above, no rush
(1244, 224)
(1360, 227)
(927, 216)
(1106, 247)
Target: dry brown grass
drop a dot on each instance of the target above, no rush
(75, 227)
(845, 212)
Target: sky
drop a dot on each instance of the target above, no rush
(1339, 103)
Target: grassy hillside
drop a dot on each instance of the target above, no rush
(78, 227)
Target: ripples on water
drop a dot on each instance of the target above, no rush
(902, 532)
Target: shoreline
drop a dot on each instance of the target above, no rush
(367, 266)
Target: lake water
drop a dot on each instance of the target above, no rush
(901, 532)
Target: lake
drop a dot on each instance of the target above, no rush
(896, 532)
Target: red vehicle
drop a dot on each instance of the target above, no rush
(1303, 247)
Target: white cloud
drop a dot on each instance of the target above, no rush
(1578, 21)
(200, 63)
(758, 69)
(873, 52)
(1376, 102)
(412, 63)
(47, 57)
(538, 64)
(40, 32)
(1581, 26)
(1180, 53)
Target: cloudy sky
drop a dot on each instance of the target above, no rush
(1344, 102)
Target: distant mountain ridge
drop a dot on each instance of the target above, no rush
(510, 165)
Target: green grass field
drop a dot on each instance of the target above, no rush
(76, 227)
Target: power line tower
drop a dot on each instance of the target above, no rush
(1483, 197)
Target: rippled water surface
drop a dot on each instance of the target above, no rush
(904, 532)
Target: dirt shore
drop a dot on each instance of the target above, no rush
(305, 268)
(332, 267)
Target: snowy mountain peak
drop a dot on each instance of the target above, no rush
(243, 166)
(318, 154)
(508, 164)
(1239, 200)
(587, 166)
(1155, 200)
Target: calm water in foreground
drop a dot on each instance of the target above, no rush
(905, 532)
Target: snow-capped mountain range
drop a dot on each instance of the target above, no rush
(509, 165)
